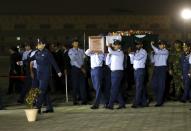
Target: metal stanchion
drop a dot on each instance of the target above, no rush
(66, 82)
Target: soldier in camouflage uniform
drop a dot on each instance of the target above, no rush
(176, 86)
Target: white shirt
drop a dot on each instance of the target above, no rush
(95, 59)
(139, 58)
(34, 61)
(25, 54)
(76, 57)
(160, 56)
(108, 60)
(116, 59)
(190, 59)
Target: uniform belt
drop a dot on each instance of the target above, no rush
(116, 70)
(96, 67)
(139, 69)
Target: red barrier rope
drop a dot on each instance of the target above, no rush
(14, 77)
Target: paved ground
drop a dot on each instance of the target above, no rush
(174, 116)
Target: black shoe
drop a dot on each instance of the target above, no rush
(134, 106)
(190, 109)
(84, 103)
(20, 101)
(121, 107)
(2, 108)
(48, 111)
(39, 111)
(158, 105)
(183, 101)
(75, 103)
(94, 107)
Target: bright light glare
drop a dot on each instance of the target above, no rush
(186, 14)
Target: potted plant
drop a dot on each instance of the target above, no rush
(31, 98)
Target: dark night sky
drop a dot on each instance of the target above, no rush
(86, 7)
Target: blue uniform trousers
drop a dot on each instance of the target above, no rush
(116, 77)
(78, 84)
(96, 76)
(140, 96)
(35, 82)
(187, 92)
(158, 83)
(44, 97)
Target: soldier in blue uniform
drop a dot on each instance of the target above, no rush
(116, 66)
(160, 70)
(77, 56)
(44, 60)
(96, 59)
(138, 59)
(185, 66)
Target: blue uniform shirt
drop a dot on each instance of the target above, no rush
(44, 60)
(76, 57)
(116, 59)
(96, 59)
(139, 58)
(25, 55)
(160, 56)
(184, 61)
